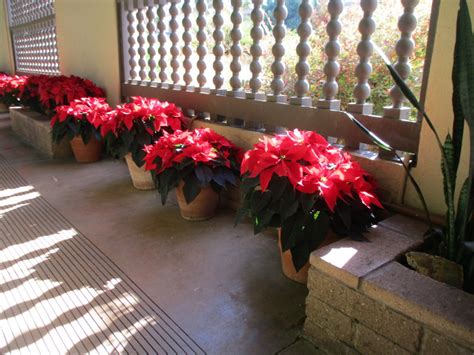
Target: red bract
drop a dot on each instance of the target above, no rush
(201, 145)
(92, 109)
(311, 165)
(150, 114)
(52, 91)
(11, 85)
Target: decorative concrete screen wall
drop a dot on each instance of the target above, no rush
(175, 50)
(33, 31)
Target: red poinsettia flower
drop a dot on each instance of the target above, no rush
(311, 165)
(201, 145)
(88, 108)
(52, 91)
(149, 114)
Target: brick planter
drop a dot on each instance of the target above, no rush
(361, 300)
(34, 129)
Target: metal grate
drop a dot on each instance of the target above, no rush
(33, 31)
(60, 294)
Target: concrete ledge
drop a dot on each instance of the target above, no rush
(373, 304)
(348, 260)
(34, 129)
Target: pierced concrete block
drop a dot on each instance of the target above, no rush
(34, 129)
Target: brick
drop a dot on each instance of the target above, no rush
(409, 227)
(326, 341)
(369, 342)
(434, 343)
(348, 260)
(443, 308)
(34, 129)
(393, 325)
(330, 319)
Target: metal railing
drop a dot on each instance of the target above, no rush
(168, 53)
(33, 33)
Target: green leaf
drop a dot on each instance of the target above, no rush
(378, 141)
(300, 255)
(277, 186)
(167, 180)
(289, 211)
(462, 211)
(204, 174)
(260, 200)
(307, 201)
(191, 188)
(291, 230)
(249, 184)
(317, 229)
(448, 170)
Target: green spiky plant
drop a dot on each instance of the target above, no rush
(456, 240)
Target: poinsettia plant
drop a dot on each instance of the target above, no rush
(10, 87)
(138, 123)
(81, 117)
(43, 93)
(200, 158)
(300, 183)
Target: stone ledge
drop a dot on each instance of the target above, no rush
(34, 129)
(445, 309)
(348, 260)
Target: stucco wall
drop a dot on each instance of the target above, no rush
(439, 107)
(5, 52)
(87, 39)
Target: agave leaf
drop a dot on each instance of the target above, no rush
(462, 211)
(449, 153)
(464, 54)
(378, 141)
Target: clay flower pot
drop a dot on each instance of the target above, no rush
(287, 266)
(202, 207)
(3, 108)
(141, 179)
(86, 153)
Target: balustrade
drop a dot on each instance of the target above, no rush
(212, 68)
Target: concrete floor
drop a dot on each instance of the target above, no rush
(222, 284)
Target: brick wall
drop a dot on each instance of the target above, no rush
(361, 300)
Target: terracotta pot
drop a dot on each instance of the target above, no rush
(202, 207)
(3, 108)
(141, 179)
(287, 266)
(86, 153)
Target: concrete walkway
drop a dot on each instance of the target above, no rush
(218, 288)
